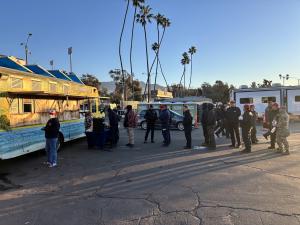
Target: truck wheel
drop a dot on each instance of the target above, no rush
(144, 125)
(180, 126)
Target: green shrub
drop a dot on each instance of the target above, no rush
(4, 123)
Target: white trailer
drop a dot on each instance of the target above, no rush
(259, 97)
(293, 101)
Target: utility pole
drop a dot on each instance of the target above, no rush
(70, 51)
(25, 44)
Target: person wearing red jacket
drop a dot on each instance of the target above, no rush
(130, 122)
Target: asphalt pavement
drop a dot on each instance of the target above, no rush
(154, 185)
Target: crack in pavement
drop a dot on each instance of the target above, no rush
(268, 172)
(250, 209)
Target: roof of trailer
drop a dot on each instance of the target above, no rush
(8, 62)
(59, 74)
(39, 70)
(266, 89)
(74, 78)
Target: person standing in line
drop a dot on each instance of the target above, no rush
(272, 120)
(211, 124)
(99, 131)
(204, 123)
(113, 126)
(282, 131)
(254, 139)
(51, 134)
(267, 123)
(130, 123)
(247, 125)
(151, 118)
(165, 118)
(188, 126)
(88, 124)
(220, 114)
(232, 115)
(226, 122)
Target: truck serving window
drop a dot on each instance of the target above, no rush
(297, 98)
(27, 106)
(246, 100)
(267, 99)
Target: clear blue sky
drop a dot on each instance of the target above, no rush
(238, 41)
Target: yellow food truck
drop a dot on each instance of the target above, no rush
(27, 94)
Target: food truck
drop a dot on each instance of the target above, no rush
(27, 94)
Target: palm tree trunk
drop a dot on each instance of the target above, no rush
(120, 54)
(184, 82)
(131, 45)
(157, 53)
(147, 60)
(180, 89)
(191, 71)
(161, 70)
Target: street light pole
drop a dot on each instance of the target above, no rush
(51, 63)
(286, 77)
(70, 51)
(26, 47)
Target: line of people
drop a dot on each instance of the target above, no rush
(229, 121)
(215, 121)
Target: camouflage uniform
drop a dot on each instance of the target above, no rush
(282, 130)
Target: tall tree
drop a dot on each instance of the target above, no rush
(184, 61)
(219, 92)
(192, 51)
(136, 4)
(120, 46)
(133, 88)
(91, 80)
(143, 18)
(155, 48)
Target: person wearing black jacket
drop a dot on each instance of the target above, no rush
(188, 125)
(113, 126)
(232, 116)
(99, 132)
(51, 134)
(211, 124)
(151, 118)
(254, 139)
(165, 119)
(204, 123)
(220, 114)
(247, 124)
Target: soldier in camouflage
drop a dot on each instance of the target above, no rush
(282, 130)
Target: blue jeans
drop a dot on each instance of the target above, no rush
(51, 150)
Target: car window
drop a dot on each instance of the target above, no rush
(175, 114)
(142, 113)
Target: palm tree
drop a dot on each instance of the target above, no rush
(143, 18)
(159, 21)
(155, 48)
(192, 51)
(120, 54)
(136, 4)
(165, 22)
(185, 60)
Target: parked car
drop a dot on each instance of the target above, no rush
(121, 113)
(177, 120)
